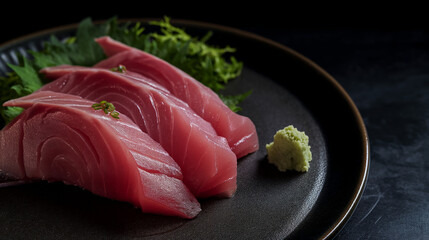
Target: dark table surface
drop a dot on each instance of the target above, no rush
(383, 65)
(386, 73)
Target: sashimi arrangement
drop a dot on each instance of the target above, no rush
(59, 137)
(130, 127)
(238, 130)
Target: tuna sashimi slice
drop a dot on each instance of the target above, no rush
(239, 130)
(208, 165)
(60, 137)
(61, 70)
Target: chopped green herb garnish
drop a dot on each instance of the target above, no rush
(194, 56)
(114, 114)
(107, 107)
(119, 69)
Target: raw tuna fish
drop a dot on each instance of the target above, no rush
(61, 70)
(59, 137)
(208, 165)
(239, 131)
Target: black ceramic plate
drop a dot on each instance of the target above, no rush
(288, 89)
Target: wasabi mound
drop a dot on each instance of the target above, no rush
(290, 150)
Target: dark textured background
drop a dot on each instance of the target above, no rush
(380, 55)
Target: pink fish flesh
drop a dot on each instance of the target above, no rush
(59, 137)
(208, 165)
(239, 131)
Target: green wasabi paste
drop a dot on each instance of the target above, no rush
(290, 150)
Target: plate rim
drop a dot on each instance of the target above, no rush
(342, 219)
